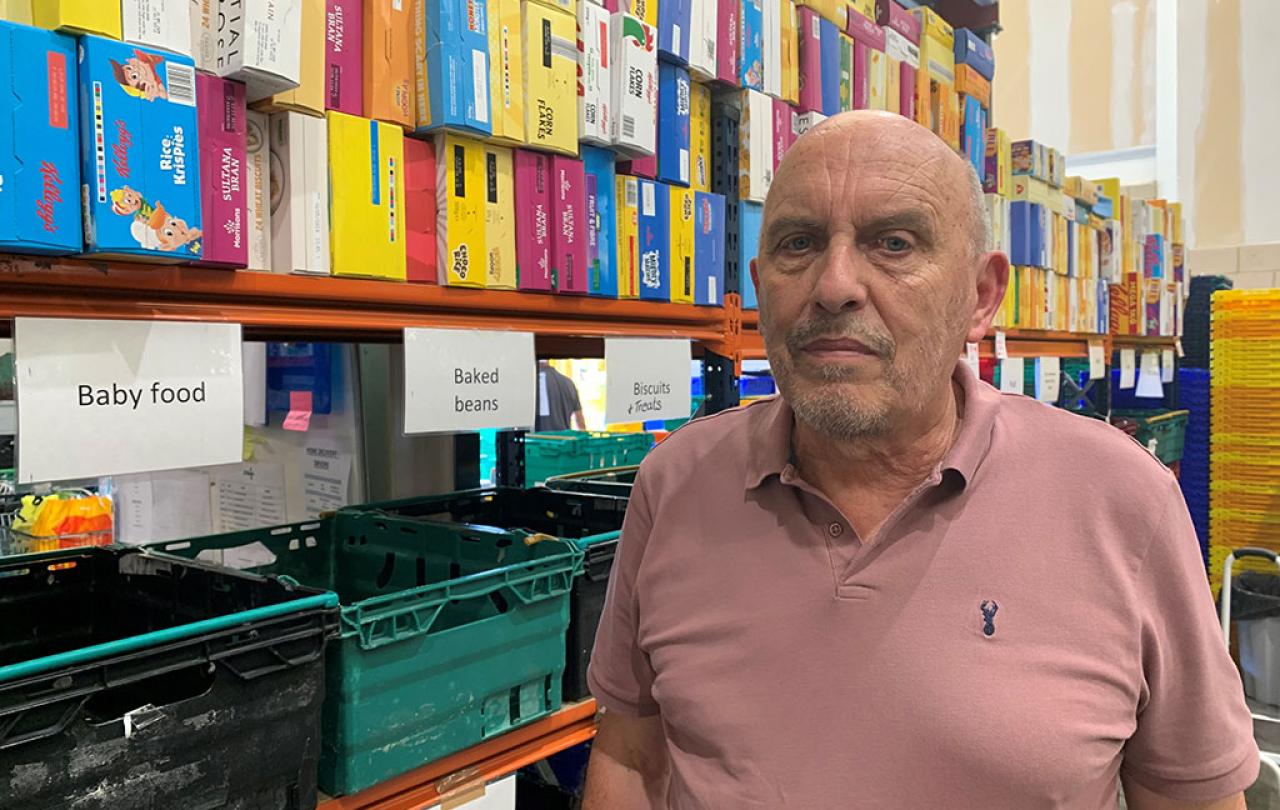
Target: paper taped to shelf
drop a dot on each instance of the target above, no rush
(458, 380)
(646, 379)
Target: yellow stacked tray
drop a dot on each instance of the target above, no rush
(1245, 430)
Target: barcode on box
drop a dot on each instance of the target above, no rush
(628, 126)
(631, 194)
(181, 82)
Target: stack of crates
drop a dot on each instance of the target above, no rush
(1193, 395)
(553, 453)
(1244, 467)
(1195, 319)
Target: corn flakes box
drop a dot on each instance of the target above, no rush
(140, 152)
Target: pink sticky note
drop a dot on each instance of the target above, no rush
(299, 417)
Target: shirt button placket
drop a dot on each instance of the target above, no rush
(835, 530)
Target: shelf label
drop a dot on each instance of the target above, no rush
(971, 357)
(1128, 368)
(1149, 377)
(1048, 378)
(102, 397)
(1011, 375)
(1002, 348)
(1097, 360)
(1166, 366)
(646, 379)
(1177, 347)
(464, 379)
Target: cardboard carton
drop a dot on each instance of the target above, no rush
(640, 167)
(700, 136)
(163, 24)
(784, 130)
(452, 89)
(39, 145)
(569, 272)
(831, 69)
(366, 197)
(594, 81)
(708, 249)
(259, 43)
(601, 221)
(344, 56)
(461, 246)
(937, 60)
(309, 96)
(682, 244)
(750, 217)
(972, 51)
(973, 139)
(771, 34)
(674, 26)
(204, 34)
(877, 81)
(563, 5)
(535, 224)
(421, 262)
(834, 10)
(506, 69)
(790, 52)
(223, 147)
(389, 60)
(807, 121)
(868, 38)
(299, 194)
(755, 146)
(703, 39)
(892, 85)
(932, 25)
(751, 44)
(16, 11)
(550, 79)
(655, 250)
(500, 218)
(997, 176)
(866, 8)
(673, 124)
(142, 182)
(810, 52)
(635, 87)
(627, 198)
(902, 45)
(257, 181)
(970, 83)
(101, 17)
(945, 112)
(846, 72)
(728, 65)
(644, 10)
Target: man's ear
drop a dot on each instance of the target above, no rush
(755, 277)
(992, 280)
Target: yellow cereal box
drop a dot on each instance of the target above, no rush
(628, 193)
(500, 217)
(551, 79)
(506, 66)
(682, 245)
(700, 135)
(366, 197)
(100, 17)
(460, 211)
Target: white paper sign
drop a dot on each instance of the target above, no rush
(1097, 360)
(114, 397)
(1048, 378)
(1128, 368)
(646, 379)
(1149, 376)
(1166, 366)
(1011, 375)
(325, 479)
(1002, 348)
(971, 357)
(468, 380)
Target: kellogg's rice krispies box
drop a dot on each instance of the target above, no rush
(39, 161)
(139, 156)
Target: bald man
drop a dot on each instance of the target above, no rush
(893, 586)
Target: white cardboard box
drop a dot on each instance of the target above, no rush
(259, 43)
(258, 186)
(594, 82)
(158, 23)
(755, 147)
(773, 48)
(299, 194)
(204, 38)
(704, 18)
(634, 130)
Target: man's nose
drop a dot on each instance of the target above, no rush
(842, 278)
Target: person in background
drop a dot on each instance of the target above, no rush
(893, 587)
(558, 405)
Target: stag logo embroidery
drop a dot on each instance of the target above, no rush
(989, 608)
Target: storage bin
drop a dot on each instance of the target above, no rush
(568, 451)
(133, 680)
(1163, 432)
(616, 482)
(450, 634)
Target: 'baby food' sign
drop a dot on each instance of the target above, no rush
(139, 157)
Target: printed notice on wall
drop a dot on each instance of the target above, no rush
(468, 380)
(646, 379)
(325, 479)
(115, 397)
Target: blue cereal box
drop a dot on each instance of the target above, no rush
(830, 67)
(139, 156)
(453, 90)
(602, 226)
(39, 158)
(751, 45)
(655, 258)
(750, 217)
(972, 51)
(708, 248)
(675, 21)
(673, 124)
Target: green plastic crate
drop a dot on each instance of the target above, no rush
(568, 451)
(450, 634)
(1163, 432)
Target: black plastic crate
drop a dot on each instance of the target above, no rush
(617, 482)
(134, 680)
(586, 603)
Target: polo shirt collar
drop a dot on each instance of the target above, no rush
(773, 420)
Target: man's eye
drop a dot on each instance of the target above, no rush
(895, 244)
(797, 244)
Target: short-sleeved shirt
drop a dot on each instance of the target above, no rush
(1032, 622)
(557, 400)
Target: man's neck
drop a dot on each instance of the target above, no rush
(892, 464)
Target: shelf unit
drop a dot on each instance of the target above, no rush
(465, 772)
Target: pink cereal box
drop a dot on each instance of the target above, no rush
(569, 231)
(533, 219)
(343, 56)
(223, 152)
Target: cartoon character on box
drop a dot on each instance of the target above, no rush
(139, 75)
(152, 226)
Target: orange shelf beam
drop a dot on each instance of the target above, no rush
(300, 307)
(465, 771)
(1148, 341)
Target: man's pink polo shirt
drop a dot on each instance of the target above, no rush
(1032, 622)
